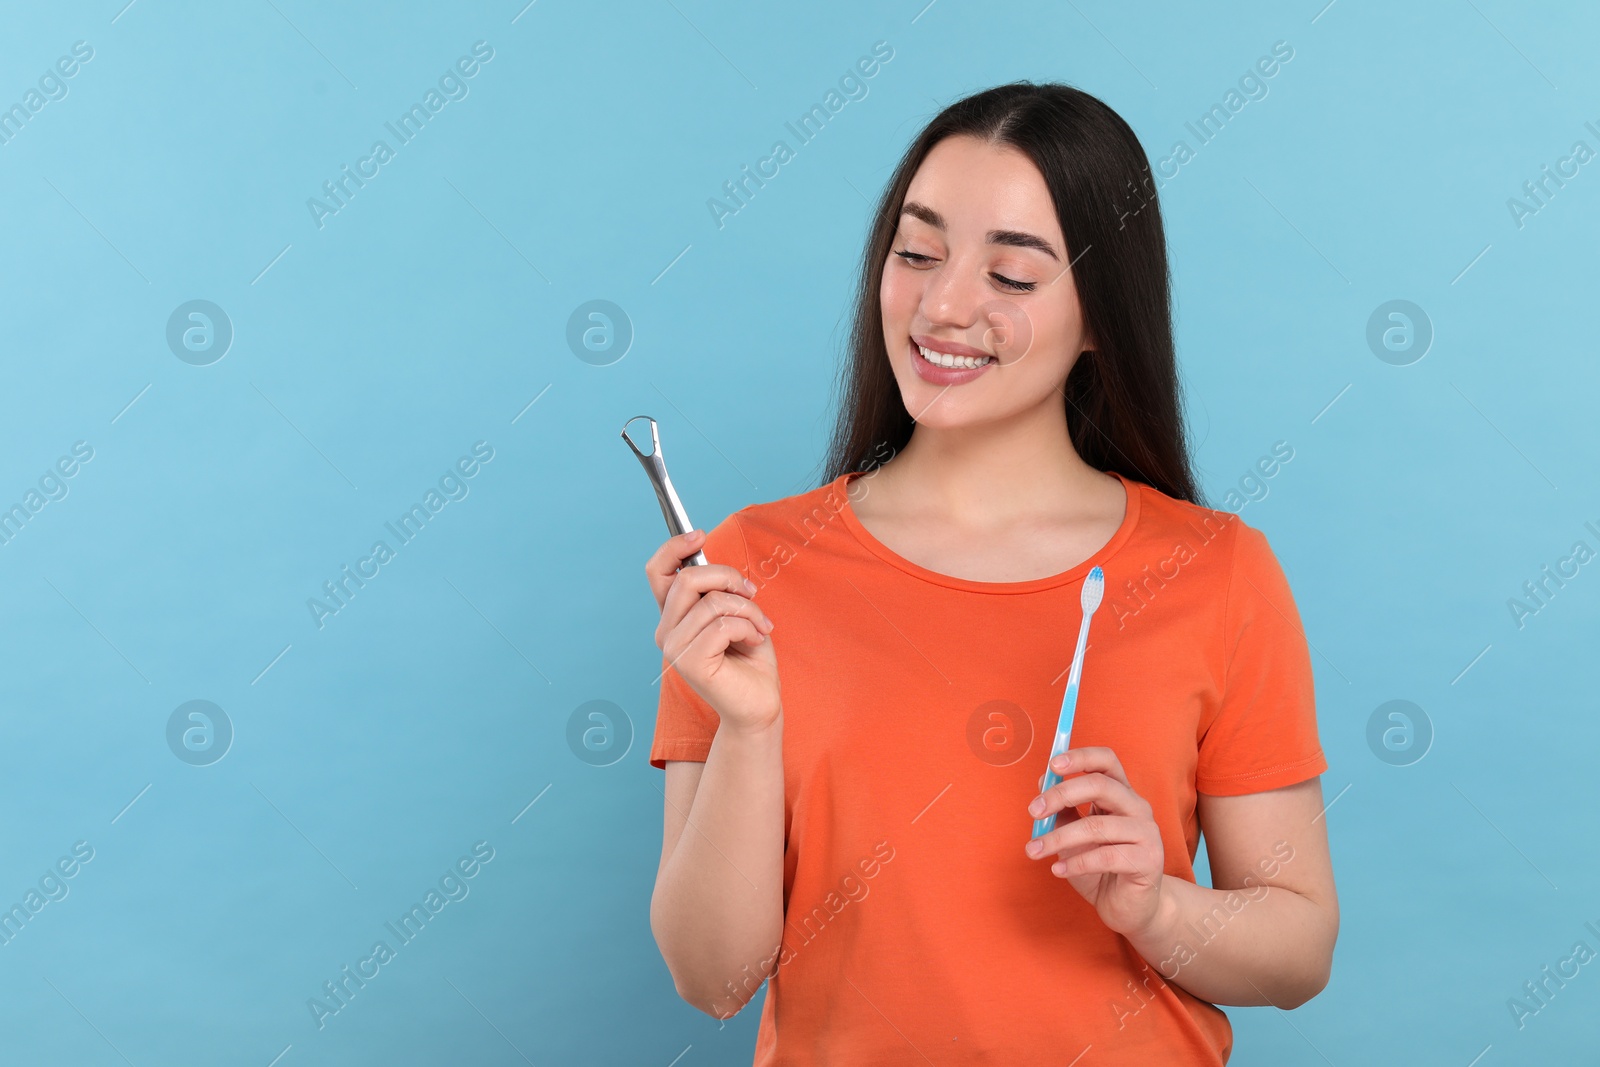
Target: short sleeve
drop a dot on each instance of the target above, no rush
(1263, 734)
(685, 723)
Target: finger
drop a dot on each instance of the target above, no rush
(720, 604)
(1091, 830)
(1090, 758)
(726, 635)
(712, 608)
(1108, 859)
(664, 562)
(1093, 787)
(690, 584)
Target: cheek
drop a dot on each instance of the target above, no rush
(899, 293)
(1017, 334)
(1008, 329)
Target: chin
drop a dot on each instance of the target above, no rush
(946, 412)
(953, 409)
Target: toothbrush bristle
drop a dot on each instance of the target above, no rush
(1094, 588)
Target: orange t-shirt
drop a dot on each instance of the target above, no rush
(919, 711)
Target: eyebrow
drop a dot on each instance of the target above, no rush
(1015, 238)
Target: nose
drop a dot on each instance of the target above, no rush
(957, 297)
(953, 294)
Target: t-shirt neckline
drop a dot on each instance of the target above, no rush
(1130, 518)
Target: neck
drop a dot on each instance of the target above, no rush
(994, 472)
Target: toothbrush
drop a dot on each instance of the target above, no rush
(1094, 587)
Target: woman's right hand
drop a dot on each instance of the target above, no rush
(714, 635)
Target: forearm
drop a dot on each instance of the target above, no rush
(717, 910)
(1261, 945)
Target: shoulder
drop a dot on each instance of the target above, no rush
(788, 519)
(793, 515)
(1225, 567)
(1166, 519)
(1214, 540)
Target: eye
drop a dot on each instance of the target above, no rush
(917, 258)
(1021, 287)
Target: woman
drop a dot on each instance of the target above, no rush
(861, 836)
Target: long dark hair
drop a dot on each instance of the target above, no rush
(1122, 398)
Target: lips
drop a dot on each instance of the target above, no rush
(933, 372)
(954, 348)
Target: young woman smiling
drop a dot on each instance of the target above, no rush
(1012, 355)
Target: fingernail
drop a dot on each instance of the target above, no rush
(1035, 847)
(750, 587)
(695, 535)
(1037, 807)
(1060, 762)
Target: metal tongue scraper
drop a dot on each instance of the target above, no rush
(656, 468)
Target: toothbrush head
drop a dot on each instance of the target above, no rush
(1094, 588)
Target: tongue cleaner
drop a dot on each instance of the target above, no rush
(666, 495)
(1094, 587)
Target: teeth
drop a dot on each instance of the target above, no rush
(945, 359)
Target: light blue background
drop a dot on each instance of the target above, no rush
(425, 316)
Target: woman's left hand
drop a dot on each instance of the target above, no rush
(1113, 855)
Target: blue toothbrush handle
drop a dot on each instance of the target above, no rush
(1092, 589)
(1048, 823)
(1069, 703)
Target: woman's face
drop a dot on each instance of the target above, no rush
(994, 283)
